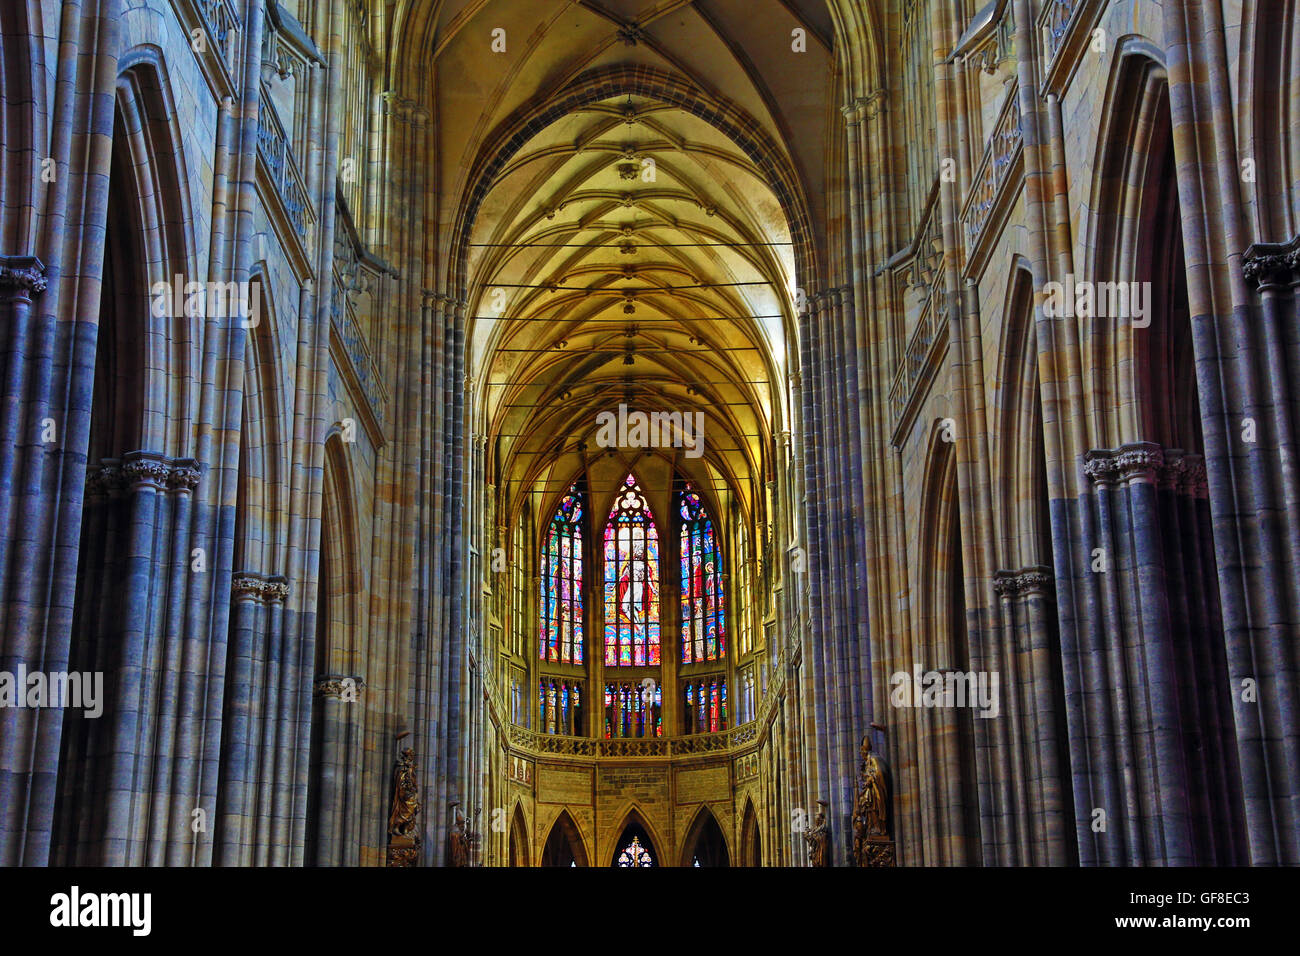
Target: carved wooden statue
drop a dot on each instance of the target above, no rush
(819, 838)
(457, 839)
(871, 809)
(406, 797)
(403, 833)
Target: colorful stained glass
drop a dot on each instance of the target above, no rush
(633, 710)
(706, 705)
(704, 629)
(634, 854)
(631, 581)
(561, 635)
(560, 706)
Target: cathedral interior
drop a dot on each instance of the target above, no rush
(832, 433)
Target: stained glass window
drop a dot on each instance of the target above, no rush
(634, 854)
(634, 710)
(706, 705)
(631, 581)
(560, 707)
(704, 623)
(561, 637)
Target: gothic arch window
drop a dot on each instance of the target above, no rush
(635, 847)
(631, 580)
(704, 622)
(561, 638)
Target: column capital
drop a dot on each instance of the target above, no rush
(1272, 263)
(1132, 462)
(21, 276)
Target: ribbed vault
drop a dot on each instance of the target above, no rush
(628, 198)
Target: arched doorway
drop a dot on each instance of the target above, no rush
(751, 847)
(520, 854)
(564, 844)
(705, 843)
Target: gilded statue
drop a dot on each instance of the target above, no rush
(406, 797)
(819, 838)
(872, 805)
(458, 839)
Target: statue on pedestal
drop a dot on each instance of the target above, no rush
(403, 840)
(819, 838)
(457, 839)
(871, 843)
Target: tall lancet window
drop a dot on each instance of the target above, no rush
(704, 622)
(561, 584)
(631, 581)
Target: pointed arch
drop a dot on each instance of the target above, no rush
(1020, 465)
(706, 842)
(561, 628)
(751, 841)
(632, 580)
(635, 824)
(1268, 125)
(564, 845)
(1149, 394)
(140, 411)
(520, 854)
(337, 618)
(24, 112)
(260, 511)
(947, 735)
(703, 601)
(1142, 373)
(147, 129)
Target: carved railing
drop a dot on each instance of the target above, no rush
(989, 43)
(273, 147)
(1000, 154)
(224, 27)
(355, 346)
(924, 273)
(1055, 20)
(1065, 26)
(634, 746)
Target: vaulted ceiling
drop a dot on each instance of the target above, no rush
(623, 243)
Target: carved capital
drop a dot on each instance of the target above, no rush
(21, 276)
(183, 474)
(104, 478)
(1139, 461)
(259, 587)
(1037, 579)
(873, 104)
(1184, 474)
(1272, 263)
(145, 468)
(343, 688)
